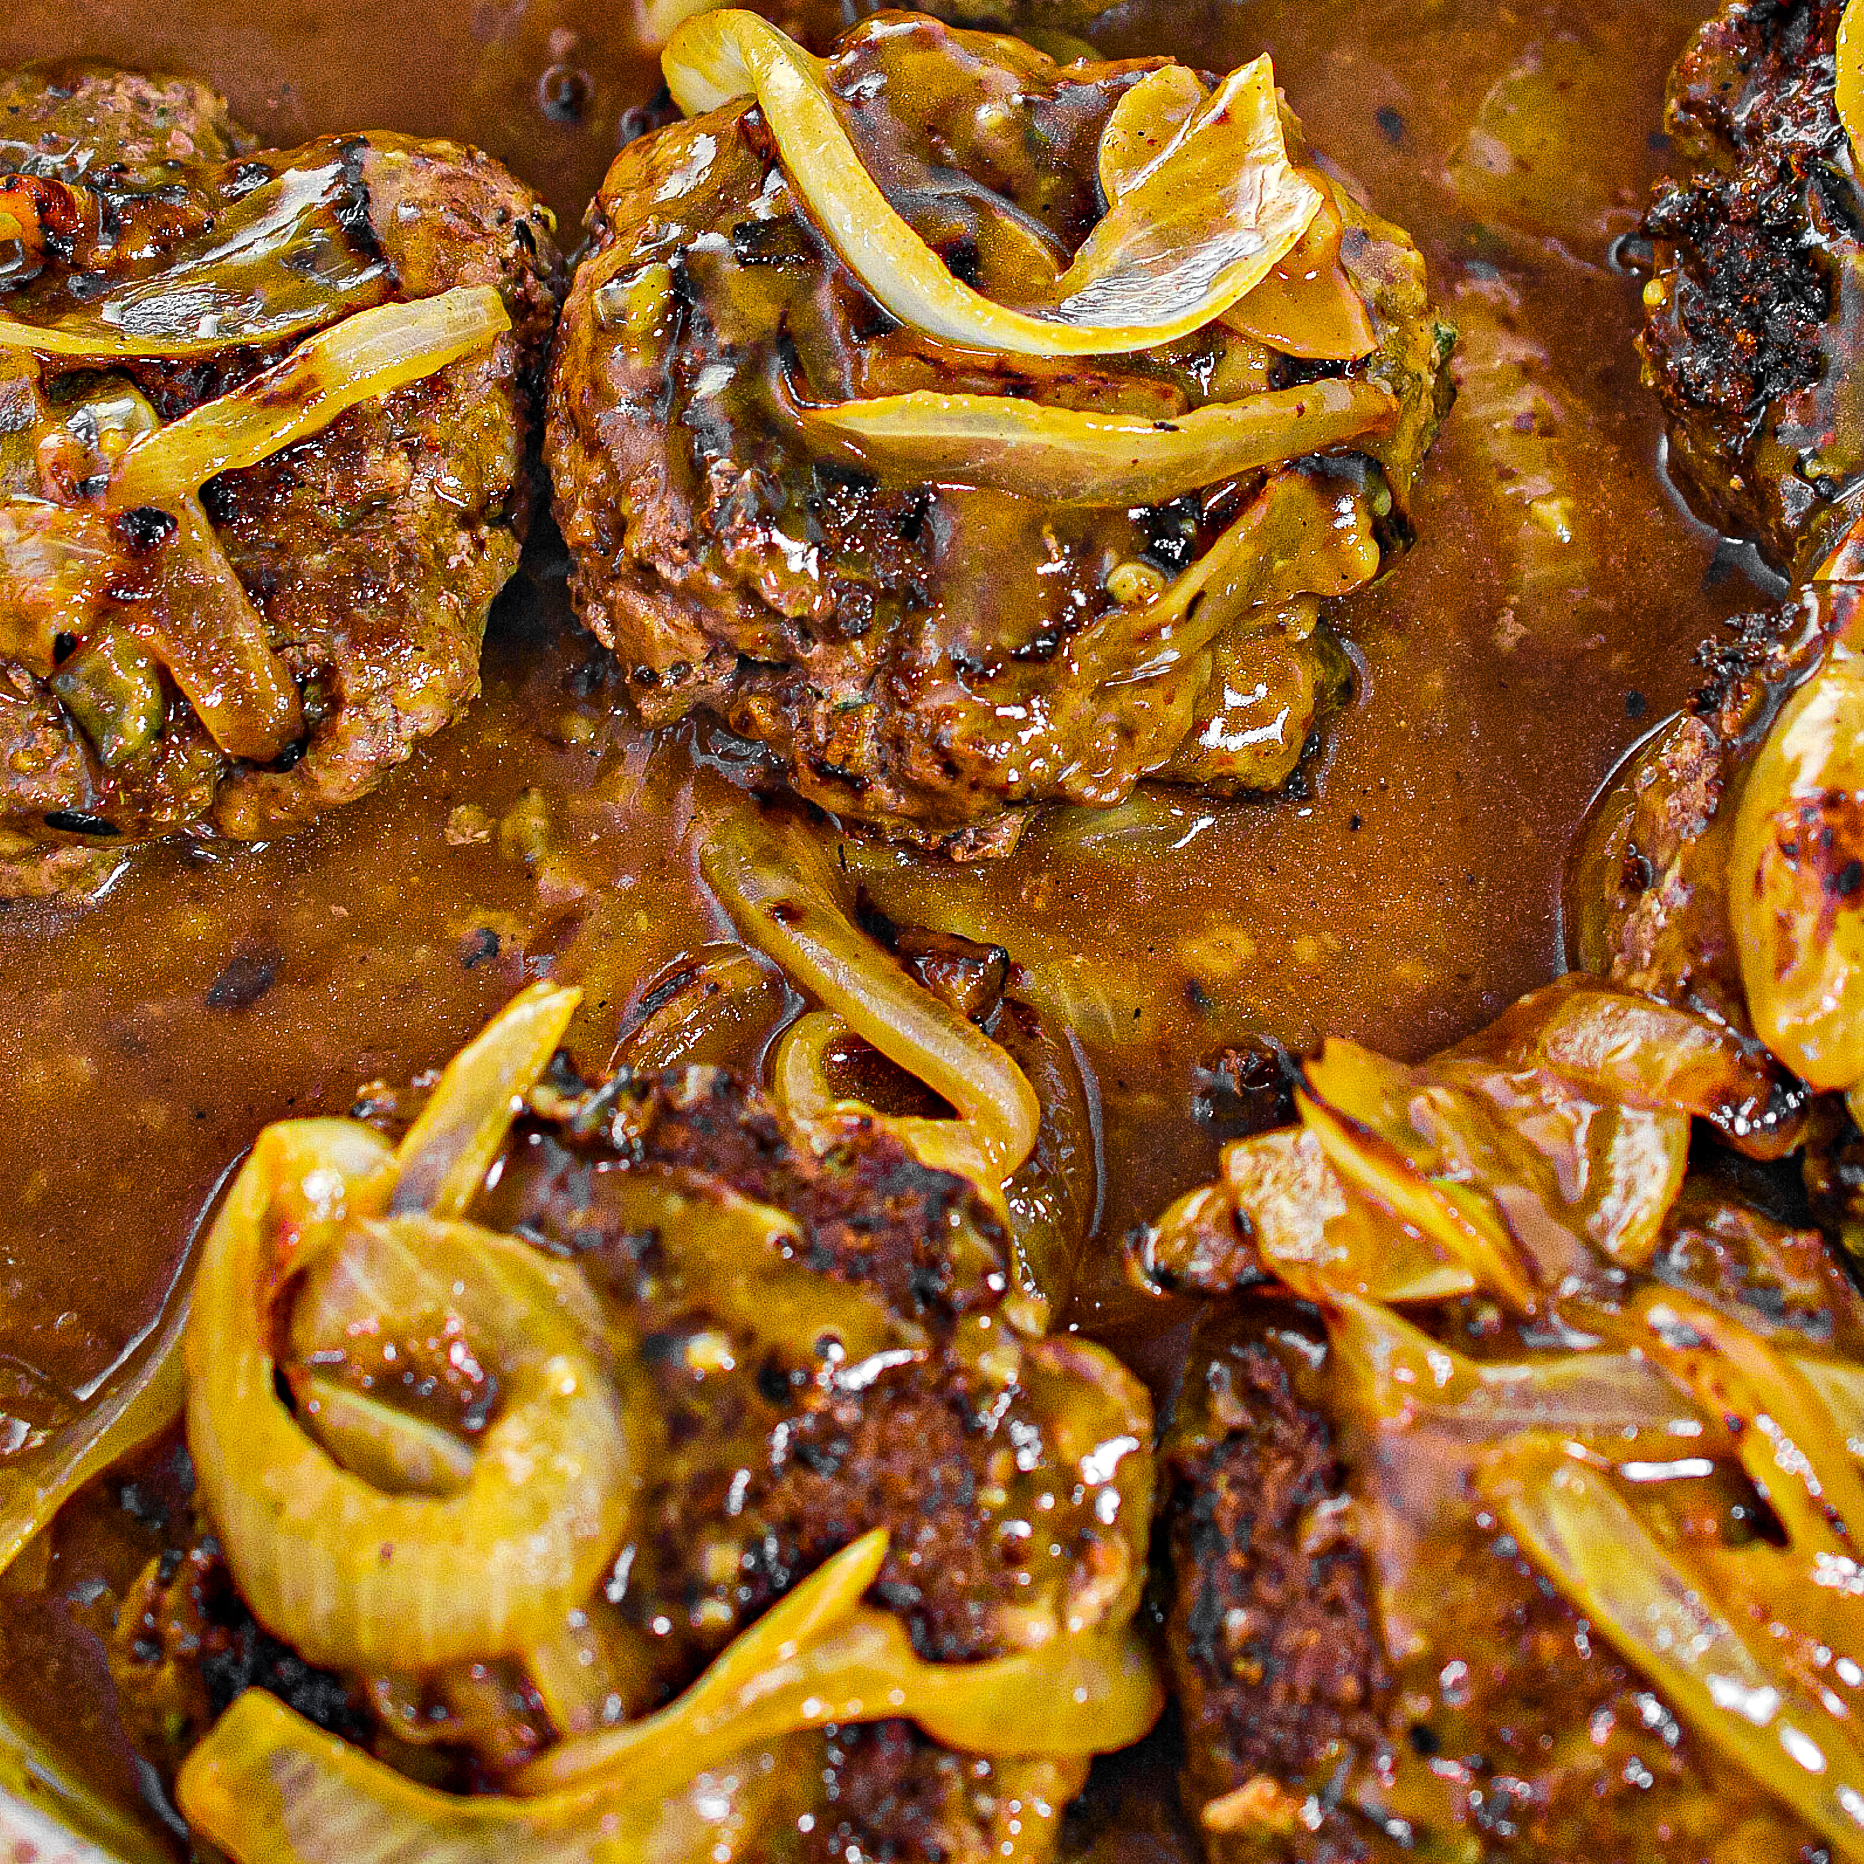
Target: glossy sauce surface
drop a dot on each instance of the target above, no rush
(1546, 619)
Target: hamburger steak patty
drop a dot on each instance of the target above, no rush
(913, 657)
(1015, 1474)
(371, 550)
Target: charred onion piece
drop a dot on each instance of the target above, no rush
(1205, 224)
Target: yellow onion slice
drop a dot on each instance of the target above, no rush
(267, 1787)
(1398, 1377)
(189, 607)
(1147, 125)
(350, 1576)
(1308, 306)
(444, 1156)
(799, 1077)
(136, 1401)
(1789, 1443)
(361, 359)
(1729, 1687)
(828, 1661)
(1182, 246)
(1850, 86)
(770, 879)
(231, 287)
(57, 564)
(203, 627)
(1072, 457)
(1353, 1102)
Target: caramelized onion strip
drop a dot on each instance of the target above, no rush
(1299, 536)
(268, 1787)
(1574, 1526)
(1183, 245)
(770, 880)
(1083, 1693)
(1849, 94)
(444, 1156)
(361, 359)
(350, 1576)
(800, 1081)
(1065, 455)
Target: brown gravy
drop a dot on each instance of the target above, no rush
(1546, 619)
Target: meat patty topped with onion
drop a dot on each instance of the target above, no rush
(1752, 323)
(971, 431)
(263, 429)
(1512, 1497)
(648, 1465)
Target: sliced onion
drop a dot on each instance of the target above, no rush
(1147, 125)
(1201, 229)
(1308, 306)
(1850, 74)
(361, 359)
(391, 1451)
(1650, 1054)
(443, 1158)
(137, 1400)
(1788, 1442)
(1086, 1692)
(203, 627)
(769, 877)
(799, 1077)
(1396, 1376)
(57, 563)
(1348, 1107)
(1095, 459)
(351, 1577)
(1733, 1691)
(195, 615)
(267, 1787)
(32, 1776)
(231, 287)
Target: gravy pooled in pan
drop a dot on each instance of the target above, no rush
(264, 419)
(703, 1421)
(944, 558)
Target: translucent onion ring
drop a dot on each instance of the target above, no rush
(1064, 455)
(361, 359)
(1151, 271)
(351, 1577)
(770, 879)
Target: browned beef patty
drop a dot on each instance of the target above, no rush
(907, 656)
(1014, 1474)
(371, 551)
(1752, 330)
